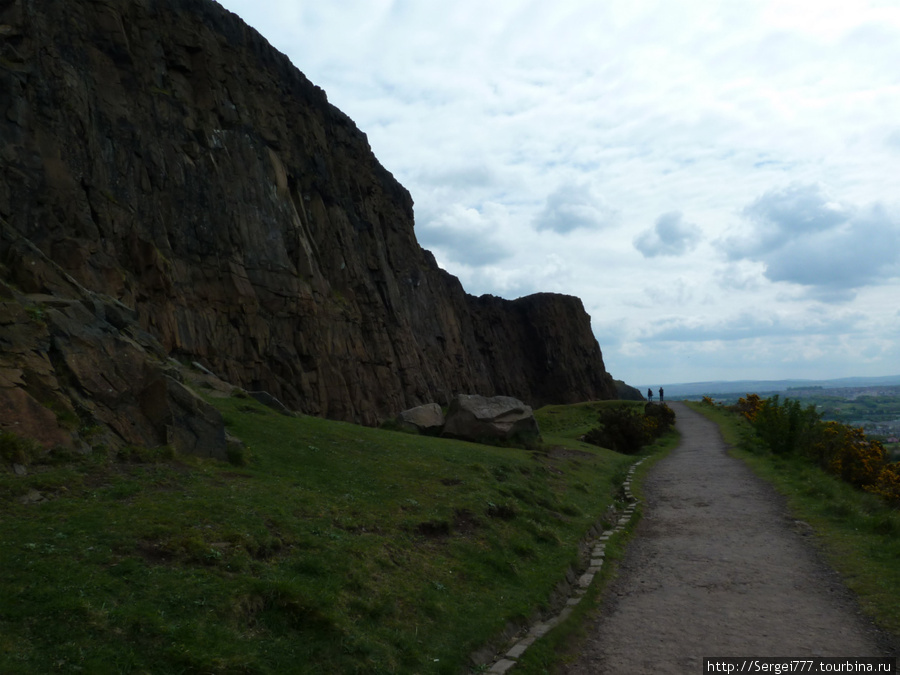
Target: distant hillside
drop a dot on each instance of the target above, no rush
(698, 389)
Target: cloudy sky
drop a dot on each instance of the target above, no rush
(717, 180)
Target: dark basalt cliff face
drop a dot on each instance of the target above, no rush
(161, 162)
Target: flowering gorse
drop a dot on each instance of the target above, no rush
(749, 407)
(842, 450)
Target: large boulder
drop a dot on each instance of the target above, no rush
(479, 418)
(425, 419)
(184, 420)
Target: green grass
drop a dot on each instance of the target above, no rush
(858, 532)
(566, 423)
(563, 643)
(336, 549)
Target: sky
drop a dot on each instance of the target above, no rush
(717, 180)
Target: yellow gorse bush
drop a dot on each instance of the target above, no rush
(842, 450)
(887, 485)
(749, 407)
(846, 452)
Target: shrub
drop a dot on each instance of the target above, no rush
(845, 452)
(627, 430)
(621, 429)
(785, 427)
(750, 406)
(887, 484)
(660, 418)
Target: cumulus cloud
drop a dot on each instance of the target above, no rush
(785, 215)
(464, 235)
(573, 206)
(804, 237)
(671, 235)
(550, 273)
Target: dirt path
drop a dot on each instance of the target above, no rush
(718, 568)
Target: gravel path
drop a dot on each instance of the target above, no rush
(718, 568)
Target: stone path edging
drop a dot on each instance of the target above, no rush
(597, 547)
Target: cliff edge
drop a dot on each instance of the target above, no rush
(162, 165)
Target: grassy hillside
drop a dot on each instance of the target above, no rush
(334, 549)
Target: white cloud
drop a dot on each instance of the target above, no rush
(574, 206)
(794, 211)
(739, 277)
(671, 235)
(677, 292)
(749, 325)
(465, 236)
(802, 236)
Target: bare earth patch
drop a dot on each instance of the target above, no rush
(719, 568)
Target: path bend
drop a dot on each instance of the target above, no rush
(718, 567)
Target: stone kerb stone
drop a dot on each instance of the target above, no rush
(596, 546)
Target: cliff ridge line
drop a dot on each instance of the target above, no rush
(163, 155)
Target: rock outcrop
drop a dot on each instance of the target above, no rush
(167, 158)
(478, 418)
(625, 392)
(76, 367)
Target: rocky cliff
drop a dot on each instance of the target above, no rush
(161, 162)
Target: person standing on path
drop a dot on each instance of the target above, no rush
(650, 394)
(718, 568)
(661, 395)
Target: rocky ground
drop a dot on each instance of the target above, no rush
(719, 568)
